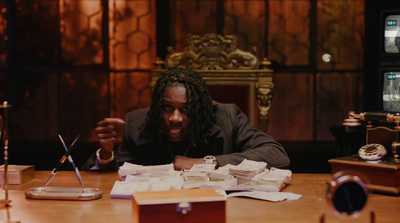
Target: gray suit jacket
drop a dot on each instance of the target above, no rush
(232, 140)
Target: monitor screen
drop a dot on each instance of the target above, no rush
(391, 91)
(392, 34)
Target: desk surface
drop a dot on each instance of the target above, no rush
(307, 209)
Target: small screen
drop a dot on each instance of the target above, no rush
(392, 34)
(391, 91)
(391, 23)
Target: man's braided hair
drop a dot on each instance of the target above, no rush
(201, 110)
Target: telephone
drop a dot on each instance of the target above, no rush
(382, 133)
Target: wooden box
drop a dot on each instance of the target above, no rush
(191, 205)
(380, 176)
(18, 174)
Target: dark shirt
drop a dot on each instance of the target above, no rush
(232, 140)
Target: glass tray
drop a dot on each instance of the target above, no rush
(64, 193)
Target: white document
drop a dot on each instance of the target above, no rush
(124, 190)
(134, 169)
(267, 196)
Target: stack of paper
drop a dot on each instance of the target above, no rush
(220, 176)
(220, 184)
(156, 182)
(194, 178)
(271, 180)
(18, 174)
(146, 182)
(247, 176)
(273, 176)
(206, 168)
(134, 169)
(190, 176)
(247, 169)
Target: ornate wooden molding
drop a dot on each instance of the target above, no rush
(212, 52)
(264, 98)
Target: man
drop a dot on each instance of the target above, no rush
(182, 126)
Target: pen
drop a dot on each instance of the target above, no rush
(72, 161)
(62, 160)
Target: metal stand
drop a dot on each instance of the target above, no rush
(371, 217)
(64, 193)
(4, 133)
(347, 195)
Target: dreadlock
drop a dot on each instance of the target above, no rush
(201, 116)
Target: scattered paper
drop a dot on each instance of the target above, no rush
(124, 190)
(267, 196)
(248, 179)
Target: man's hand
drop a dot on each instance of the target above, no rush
(184, 162)
(109, 131)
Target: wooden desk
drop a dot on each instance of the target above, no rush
(307, 209)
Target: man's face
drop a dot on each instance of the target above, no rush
(175, 113)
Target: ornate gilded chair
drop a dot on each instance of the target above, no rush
(232, 75)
